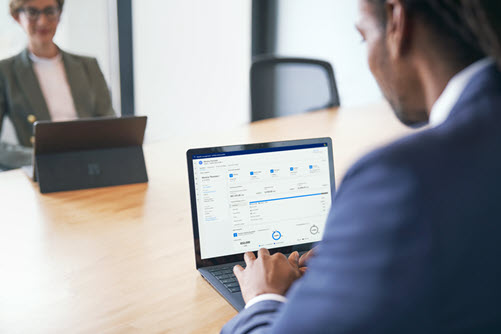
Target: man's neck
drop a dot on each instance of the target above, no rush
(435, 72)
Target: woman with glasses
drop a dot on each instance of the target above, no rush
(43, 82)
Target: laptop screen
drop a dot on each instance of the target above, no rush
(261, 197)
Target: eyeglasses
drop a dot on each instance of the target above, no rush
(51, 13)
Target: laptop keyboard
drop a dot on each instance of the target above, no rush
(226, 277)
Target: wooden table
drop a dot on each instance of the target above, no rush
(121, 259)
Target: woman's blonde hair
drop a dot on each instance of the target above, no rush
(16, 5)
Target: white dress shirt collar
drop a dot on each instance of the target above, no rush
(449, 97)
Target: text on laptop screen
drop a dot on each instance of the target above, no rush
(270, 198)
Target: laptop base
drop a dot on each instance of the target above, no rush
(234, 298)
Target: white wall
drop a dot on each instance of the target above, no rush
(191, 65)
(325, 29)
(12, 37)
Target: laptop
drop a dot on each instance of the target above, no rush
(274, 195)
(89, 153)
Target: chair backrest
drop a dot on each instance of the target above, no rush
(14, 156)
(288, 86)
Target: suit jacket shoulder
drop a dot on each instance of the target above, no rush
(90, 92)
(87, 60)
(6, 63)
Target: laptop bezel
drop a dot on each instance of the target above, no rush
(202, 263)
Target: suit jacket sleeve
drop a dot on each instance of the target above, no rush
(103, 98)
(372, 267)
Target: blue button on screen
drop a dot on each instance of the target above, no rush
(235, 234)
(231, 175)
(272, 171)
(251, 173)
(292, 168)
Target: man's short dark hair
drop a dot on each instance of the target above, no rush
(472, 27)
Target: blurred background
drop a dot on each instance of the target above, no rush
(185, 63)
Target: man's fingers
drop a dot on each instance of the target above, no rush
(293, 259)
(249, 257)
(303, 270)
(306, 256)
(237, 270)
(263, 252)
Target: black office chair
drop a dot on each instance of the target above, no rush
(288, 86)
(14, 156)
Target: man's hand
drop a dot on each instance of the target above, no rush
(267, 274)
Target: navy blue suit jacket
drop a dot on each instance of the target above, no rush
(413, 240)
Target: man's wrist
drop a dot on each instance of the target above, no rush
(266, 296)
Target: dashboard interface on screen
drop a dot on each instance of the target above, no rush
(272, 197)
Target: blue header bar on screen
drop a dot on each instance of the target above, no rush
(259, 150)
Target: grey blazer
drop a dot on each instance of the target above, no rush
(21, 98)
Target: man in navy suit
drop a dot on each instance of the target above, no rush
(413, 240)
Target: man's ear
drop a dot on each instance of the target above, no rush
(397, 28)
